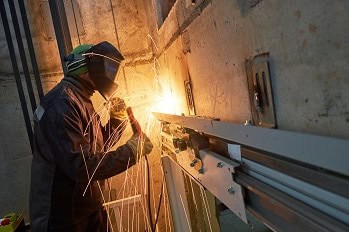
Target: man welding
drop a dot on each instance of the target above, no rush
(71, 146)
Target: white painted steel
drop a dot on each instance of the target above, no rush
(325, 152)
(217, 178)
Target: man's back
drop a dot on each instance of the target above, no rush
(66, 102)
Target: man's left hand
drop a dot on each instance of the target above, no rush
(118, 109)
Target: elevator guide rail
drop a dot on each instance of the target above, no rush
(290, 181)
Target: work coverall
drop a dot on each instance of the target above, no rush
(68, 146)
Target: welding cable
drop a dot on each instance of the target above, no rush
(148, 195)
(159, 205)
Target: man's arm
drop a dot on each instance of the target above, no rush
(113, 131)
(71, 148)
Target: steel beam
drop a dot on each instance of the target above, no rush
(60, 24)
(334, 183)
(31, 48)
(282, 212)
(22, 55)
(323, 152)
(16, 73)
(177, 195)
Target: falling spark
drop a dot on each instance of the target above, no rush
(145, 94)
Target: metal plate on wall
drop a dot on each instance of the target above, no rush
(260, 89)
(217, 177)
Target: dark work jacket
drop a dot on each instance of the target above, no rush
(68, 146)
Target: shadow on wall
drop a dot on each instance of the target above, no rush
(246, 5)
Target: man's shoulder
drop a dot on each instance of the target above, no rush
(61, 93)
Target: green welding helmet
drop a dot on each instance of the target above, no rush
(103, 63)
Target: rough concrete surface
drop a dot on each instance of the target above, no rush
(308, 46)
(307, 42)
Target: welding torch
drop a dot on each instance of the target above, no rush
(136, 127)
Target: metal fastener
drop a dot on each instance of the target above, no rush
(248, 123)
(201, 171)
(231, 190)
(193, 162)
(220, 165)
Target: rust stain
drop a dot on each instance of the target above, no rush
(297, 13)
(304, 44)
(338, 45)
(312, 28)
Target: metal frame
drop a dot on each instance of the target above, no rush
(316, 197)
(31, 48)
(289, 180)
(16, 73)
(60, 23)
(22, 55)
(282, 212)
(176, 194)
(217, 177)
(323, 152)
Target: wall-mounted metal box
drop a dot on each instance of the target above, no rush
(72, 11)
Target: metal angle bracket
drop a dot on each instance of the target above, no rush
(217, 177)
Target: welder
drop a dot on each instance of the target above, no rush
(72, 147)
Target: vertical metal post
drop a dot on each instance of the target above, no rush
(22, 54)
(60, 24)
(31, 48)
(16, 72)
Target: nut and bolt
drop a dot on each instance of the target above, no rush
(220, 165)
(193, 162)
(231, 190)
(248, 123)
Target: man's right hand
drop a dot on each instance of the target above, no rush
(136, 145)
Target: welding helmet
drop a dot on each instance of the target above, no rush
(103, 63)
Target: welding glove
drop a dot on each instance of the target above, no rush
(118, 109)
(136, 145)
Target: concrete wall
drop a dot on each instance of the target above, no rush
(309, 50)
(207, 42)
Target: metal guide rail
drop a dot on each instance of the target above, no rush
(289, 181)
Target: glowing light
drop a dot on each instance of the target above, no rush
(167, 102)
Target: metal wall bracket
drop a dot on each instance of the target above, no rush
(217, 177)
(260, 89)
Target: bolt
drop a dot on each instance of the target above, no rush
(248, 123)
(231, 190)
(251, 225)
(219, 165)
(193, 162)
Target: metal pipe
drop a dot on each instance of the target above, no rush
(31, 48)
(16, 72)
(60, 23)
(22, 54)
